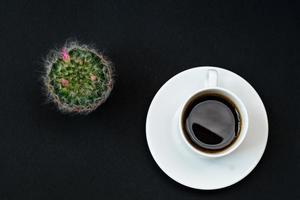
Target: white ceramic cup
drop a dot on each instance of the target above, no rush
(211, 87)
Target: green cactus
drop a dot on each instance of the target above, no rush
(78, 79)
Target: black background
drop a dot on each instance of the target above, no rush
(47, 155)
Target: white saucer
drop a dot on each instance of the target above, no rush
(184, 165)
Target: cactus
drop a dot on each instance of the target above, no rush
(78, 78)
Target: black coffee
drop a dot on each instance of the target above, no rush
(211, 122)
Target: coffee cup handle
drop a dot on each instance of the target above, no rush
(212, 78)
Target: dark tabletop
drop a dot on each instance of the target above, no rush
(47, 155)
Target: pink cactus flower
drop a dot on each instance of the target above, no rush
(65, 55)
(93, 77)
(64, 82)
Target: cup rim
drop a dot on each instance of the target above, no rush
(243, 132)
